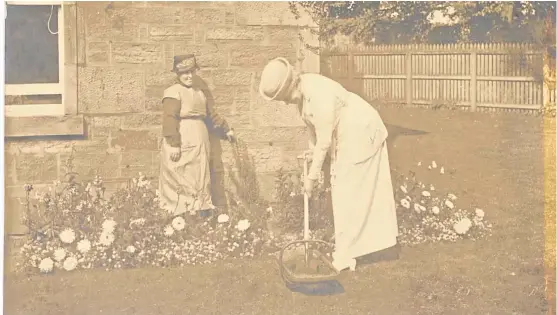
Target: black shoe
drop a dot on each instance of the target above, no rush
(205, 213)
(388, 254)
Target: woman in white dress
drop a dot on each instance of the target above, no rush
(351, 130)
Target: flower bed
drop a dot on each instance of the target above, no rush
(428, 214)
(72, 226)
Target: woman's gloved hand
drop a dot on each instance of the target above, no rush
(175, 154)
(230, 136)
(308, 186)
(308, 154)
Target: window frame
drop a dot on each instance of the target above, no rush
(13, 110)
(51, 119)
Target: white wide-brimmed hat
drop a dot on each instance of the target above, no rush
(276, 77)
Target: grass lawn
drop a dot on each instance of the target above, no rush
(498, 162)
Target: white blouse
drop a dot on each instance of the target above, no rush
(323, 100)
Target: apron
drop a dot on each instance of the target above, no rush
(185, 185)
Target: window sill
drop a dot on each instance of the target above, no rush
(69, 125)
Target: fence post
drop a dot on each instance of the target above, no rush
(473, 81)
(323, 67)
(351, 70)
(408, 68)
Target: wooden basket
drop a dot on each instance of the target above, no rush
(327, 273)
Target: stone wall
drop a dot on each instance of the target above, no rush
(125, 52)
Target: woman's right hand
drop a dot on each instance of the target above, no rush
(175, 154)
(308, 154)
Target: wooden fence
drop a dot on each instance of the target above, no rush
(481, 75)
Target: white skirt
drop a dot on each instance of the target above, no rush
(364, 208)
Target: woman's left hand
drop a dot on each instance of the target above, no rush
(230, 135)
(308, 186)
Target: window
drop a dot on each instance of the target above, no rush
(34, 59)
(41, 60)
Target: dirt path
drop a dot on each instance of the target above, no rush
(498, 162)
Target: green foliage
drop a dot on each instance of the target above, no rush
(390, 22)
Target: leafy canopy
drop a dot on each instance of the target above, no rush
(403, 22)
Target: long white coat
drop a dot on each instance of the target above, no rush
(351, 130)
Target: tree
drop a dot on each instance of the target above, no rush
(369, 22)
(390, 22)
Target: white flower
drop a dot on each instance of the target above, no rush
(429, 167)
(292, 194)
(432, 188)
(433, 164)
(67, 236)
(46, 265)
(59, 254)
(83, 246)
(452, 196)
(417, 207)
(270, 209)
(426, 193)
(442, 171)
(449, 204)
(462, 226)
(70, 263)
(130, 249)
(404, 190)
(168, 230)
(106, 239)
(435, 210)
(419, 163)
(480, 213)
(223, 218)
(243, 225)
(178, 223)
(405, 203)
(137, 222)
(109, 226)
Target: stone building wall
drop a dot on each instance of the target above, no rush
(125, 52)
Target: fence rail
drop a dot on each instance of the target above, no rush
(472, 75)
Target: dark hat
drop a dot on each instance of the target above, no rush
(184, 63)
